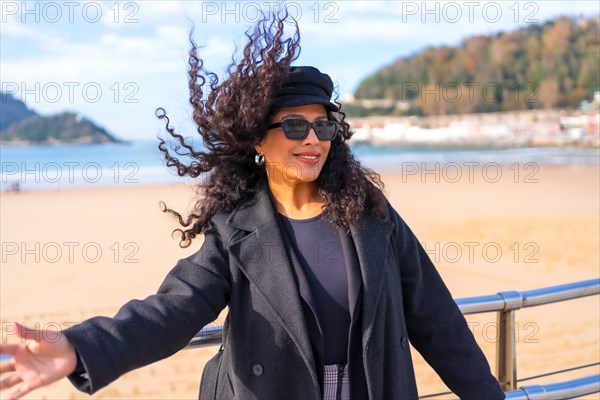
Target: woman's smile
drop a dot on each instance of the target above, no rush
(308, 157)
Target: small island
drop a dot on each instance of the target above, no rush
(20, 126)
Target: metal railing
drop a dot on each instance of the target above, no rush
(556, 391)
(206, 337)
(505, 304)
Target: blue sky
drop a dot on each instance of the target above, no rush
(115, 62)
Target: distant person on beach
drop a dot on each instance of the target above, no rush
(324, 282)
(14, 186)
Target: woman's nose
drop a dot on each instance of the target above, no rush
(311, 137)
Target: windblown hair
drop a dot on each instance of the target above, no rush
(233, 118)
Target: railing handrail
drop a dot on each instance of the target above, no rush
(528, 298)
(505, 304)
(469, 305)
(207, 336)
(560, 390)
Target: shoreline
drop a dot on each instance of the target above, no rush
(467, 145)
(446, 170)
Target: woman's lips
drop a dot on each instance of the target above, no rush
(308, 158)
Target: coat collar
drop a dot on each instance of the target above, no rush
(260, 252)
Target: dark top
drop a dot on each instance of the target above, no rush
(319, 250)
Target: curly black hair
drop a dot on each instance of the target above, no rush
(233, 118)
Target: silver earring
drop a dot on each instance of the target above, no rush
(259, 159)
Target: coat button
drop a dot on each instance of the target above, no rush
(257, 369)
(404, 342)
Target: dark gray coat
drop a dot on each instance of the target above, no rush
(267, 351)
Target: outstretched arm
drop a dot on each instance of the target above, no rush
(143, 331)
(436, 327)
(36, 361)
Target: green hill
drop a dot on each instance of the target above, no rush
(21, 126)
(12, 111)
(555, 64)
(55, 129)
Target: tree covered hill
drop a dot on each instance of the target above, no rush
(12, 110)
(22, 126)
(555, 64)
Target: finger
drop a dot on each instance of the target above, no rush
(7, 366)
(10, 381)
(17, 394)
(9, 348)
(27, 333)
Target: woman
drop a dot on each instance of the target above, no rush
(325, 283)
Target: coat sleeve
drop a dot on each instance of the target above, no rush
(144, 331)
(435, 324)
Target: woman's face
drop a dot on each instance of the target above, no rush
(294, 161)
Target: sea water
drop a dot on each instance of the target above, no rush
(141, 163)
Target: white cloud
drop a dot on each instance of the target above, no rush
(153, 52)
(171, 32)
(17, 30)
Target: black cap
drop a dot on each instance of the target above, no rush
(305, 85)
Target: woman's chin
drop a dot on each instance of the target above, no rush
(298, 179)
(292, 175)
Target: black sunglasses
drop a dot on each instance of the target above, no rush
(297, 129)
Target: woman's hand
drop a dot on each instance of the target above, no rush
(42, 358)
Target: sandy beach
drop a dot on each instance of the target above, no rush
(75, 253)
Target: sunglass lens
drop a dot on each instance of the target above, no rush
(295, 129)
(325, 130)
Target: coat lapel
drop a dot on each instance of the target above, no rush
(371, 237)
(262, 257)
